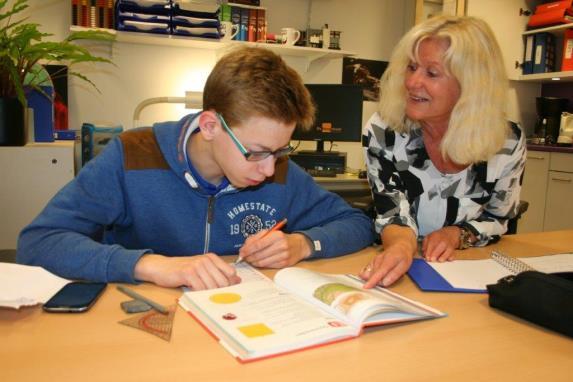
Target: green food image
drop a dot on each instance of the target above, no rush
(328, 292)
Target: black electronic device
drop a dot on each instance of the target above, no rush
(549, 111)
(75, 297)
(322, 173)
(338, 115)
(321, 161)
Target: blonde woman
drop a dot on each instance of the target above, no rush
(444, 164)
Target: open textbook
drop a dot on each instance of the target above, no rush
(259, 318)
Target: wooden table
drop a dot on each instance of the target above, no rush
(474, 343)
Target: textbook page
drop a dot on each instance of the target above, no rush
(257, 318)
(344, 297)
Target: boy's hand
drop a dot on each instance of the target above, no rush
(275, 249)
(196, 272)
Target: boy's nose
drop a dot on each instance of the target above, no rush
(267, 166)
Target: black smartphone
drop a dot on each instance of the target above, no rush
(75, 297)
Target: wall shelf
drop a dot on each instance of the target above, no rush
(548, 77)
(558, 31)
(311, 54)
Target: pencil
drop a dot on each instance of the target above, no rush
(137, 296)
(276, 227)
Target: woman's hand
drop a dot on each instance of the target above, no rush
(441, 245)
(388, 266)
(196, 272)
(275, 249)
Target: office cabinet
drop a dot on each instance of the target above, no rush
(559, 203)
(548, 187)
(507, 24)
(30, 176)
(534, 191)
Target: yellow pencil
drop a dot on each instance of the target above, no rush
(276, 227)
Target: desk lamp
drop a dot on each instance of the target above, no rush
(192, 100)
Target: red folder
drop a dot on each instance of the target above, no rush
(563, 4)
(552, 17)
(567, 62)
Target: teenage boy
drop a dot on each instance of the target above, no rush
(161, 204)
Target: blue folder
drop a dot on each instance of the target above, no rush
(428, 279)
(528, 54)
(43, 113)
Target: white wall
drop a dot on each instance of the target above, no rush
(503, 17)
(370, 28)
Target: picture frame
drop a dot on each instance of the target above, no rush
(428, 8)
(366, 73)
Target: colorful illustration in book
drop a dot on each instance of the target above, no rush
(255, 330)
(229, 316)
(339, 296)
(225, 298)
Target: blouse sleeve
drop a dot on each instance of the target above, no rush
(388, 190)
(507, 166)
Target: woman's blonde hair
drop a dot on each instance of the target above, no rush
(478, 125)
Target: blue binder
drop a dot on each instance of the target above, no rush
(544, 53)
(427, 279)
(528, 54)
(43, 113)
(236, 19)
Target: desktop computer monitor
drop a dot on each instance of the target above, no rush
(338, 115)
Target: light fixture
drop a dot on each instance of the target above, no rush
(192, 100)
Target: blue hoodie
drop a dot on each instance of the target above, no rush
(139, 196)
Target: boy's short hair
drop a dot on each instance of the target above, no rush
(249, 82)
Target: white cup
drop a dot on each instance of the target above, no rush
(228, 30)
(290, 35)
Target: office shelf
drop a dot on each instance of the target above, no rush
(548, 77)
(311, 54)
(558, 31)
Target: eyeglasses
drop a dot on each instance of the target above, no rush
(254, 156)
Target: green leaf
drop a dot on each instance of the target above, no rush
(22, 48)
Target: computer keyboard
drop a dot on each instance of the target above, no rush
(322, 173)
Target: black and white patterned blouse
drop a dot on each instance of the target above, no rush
(409, 190)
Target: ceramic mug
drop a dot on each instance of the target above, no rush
(290, 35)
(228, 30)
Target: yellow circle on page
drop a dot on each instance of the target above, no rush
(225, 298)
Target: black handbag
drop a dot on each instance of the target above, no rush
(545, 299)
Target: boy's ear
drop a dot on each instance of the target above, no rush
(209, 124)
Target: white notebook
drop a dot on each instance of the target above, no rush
(476, 274)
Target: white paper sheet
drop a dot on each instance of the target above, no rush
(23, 285)
(476, 274)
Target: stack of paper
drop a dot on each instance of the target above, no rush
(23, 285)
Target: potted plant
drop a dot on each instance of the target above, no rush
(21, 53)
